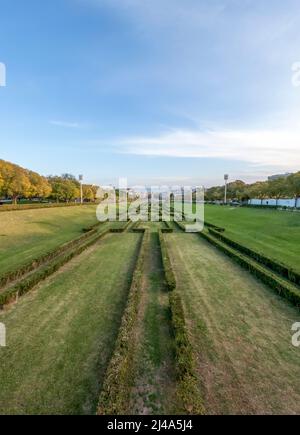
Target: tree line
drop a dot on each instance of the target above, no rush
(283, 187)
(17, 182)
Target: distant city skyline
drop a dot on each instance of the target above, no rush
(161, 92)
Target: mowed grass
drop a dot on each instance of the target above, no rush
(60, 336)
(26, 234)
(274, 233)
(240, 330)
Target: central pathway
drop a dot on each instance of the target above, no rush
(154, 386)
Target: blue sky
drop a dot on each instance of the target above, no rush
(159, 91)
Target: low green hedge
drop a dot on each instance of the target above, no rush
(281, 269)
(282, 287)
(169, 273)
(114, 397)
(91, 228)
(28, 283)
(37, 262)
(36, 206)
(168, 225)
(180, 225)
(188, 388)
(122, 229)
(216, 228)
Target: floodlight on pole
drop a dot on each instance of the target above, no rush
(81, 189)
(226, 178)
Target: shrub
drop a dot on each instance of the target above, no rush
(188, 392)
(28, 283)
(43, 259)
(169, 273)
(114, 397)
(281, 269)
(282, 287)
(36, 206)
(188, 389)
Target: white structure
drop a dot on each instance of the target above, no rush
(281, 202)
(226, 178)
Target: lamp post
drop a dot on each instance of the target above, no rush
(81, 190)
(226, 178)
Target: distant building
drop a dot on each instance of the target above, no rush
(278, 176)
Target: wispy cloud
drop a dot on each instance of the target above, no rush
(67, 124)
(276, 147)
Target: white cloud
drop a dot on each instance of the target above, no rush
(276, 147)
(67, 124)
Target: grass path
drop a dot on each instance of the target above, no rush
(60, 336)
(240, 330)
(154, 387)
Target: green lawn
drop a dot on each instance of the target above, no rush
(240, 330)
(60, 336)
(26, 234)
(274, 233)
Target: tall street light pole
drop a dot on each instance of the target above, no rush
(81, 190)
(226, 177)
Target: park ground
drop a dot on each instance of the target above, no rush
(62, 334)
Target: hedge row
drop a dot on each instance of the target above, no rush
(37, 206)
(121, 229)
(114, 397)
(167, 224)
(281, 269)
(216, 228)
(180, 225)
(91, 228)
(278, 284)
(167, 230)
(272, 207)
(9, 277)
(169, 273)
(187, 390)
(27, 284)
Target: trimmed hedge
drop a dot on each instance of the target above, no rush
(216, 228)
(281, 269)
(27, 284)
(188, 390)
(138, 230)
(167, 230)
(37, 206)
(278, 284)
(114, 397)
(168, 225)
(121, 229)
(169, 273)
(180, 225)
(91, 228)
(37, 262)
